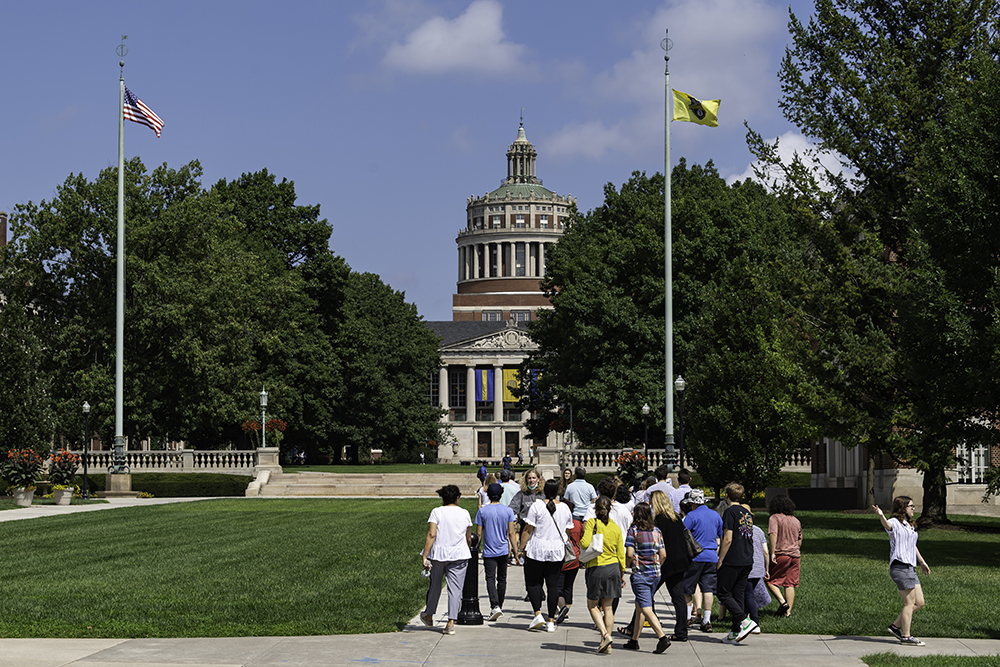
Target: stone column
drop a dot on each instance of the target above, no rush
(470, 397)
(498, 394)
(541, 259)
(444, 394)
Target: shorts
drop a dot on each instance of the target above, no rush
(604, 582)
(702, 574)
(904, 575)
(785, 572)
(643, 588)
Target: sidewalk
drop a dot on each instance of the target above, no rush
(573, 643)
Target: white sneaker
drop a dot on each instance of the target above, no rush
(755, 631)
(537, 623)
(550, 626)
(495, 614)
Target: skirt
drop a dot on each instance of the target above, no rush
(604, 582)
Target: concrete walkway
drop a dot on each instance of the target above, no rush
(503, 642)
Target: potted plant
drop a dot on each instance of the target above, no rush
(21, 471)
(62, 471)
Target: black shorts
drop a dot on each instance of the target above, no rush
(703, 574)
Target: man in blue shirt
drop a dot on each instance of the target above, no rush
(581, 493)
(495, 528)
(706, 527)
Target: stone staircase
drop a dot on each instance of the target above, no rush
(373, 485)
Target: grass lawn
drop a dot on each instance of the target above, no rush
(846, 590)
(893, 660)
(280, 567)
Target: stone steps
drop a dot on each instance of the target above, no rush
(372, 485)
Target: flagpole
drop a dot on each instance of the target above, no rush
(667, 250)
(119, 454)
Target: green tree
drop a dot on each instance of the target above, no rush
(601, 347)
(869, 81)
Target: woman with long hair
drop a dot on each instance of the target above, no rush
(542, 546)
(644, 550)
(484, 498)
(903, 559)
(446, 554)
(606, 572)
(531, 490)
(564, 481)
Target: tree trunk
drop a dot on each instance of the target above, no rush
(870, 501)
(935, 500)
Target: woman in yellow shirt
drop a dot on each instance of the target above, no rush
(606, 572)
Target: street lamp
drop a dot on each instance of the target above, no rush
(86, 443)
(645, 437)
(263, 413)
(679, 385)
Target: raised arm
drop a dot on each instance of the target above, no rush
(881, 517)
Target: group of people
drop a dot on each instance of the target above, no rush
(557, 527)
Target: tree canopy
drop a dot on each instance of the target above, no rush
(228, 290)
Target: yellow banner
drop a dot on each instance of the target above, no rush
(510, 382)
(693, 110)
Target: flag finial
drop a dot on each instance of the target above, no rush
(122, 51)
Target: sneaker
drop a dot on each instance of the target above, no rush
(755, 631)
(562, 615)
(428, 620)
(730, 639)
(895, 631)
(537, 623)
(550, 627)
(631, 645)
(495, 613)
(746, 627)
(662, 645)
(911, 641)
(449, 630)
(706, 627)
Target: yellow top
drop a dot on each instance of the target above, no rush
(614, 543)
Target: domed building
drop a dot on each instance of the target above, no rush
(501, 259)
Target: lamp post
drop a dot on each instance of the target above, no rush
(645, 437)
(263, 414)
(86, 444)
(679, 385)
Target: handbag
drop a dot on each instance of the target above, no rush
(569, 555)
(595, 548)
(761, 595)
(693, 547)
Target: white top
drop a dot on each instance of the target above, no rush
(902, 542)
(619, 513)
(663, 485)
(452, 522)
(549, 534)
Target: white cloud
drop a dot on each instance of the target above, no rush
(790, 144)
(722, 49)
(472, 42)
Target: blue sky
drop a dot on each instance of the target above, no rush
(390, 113)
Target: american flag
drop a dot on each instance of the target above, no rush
(137, 112)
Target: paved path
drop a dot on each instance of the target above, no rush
(506, 641)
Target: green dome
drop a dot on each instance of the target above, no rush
(521, 191)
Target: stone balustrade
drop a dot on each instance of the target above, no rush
(603, 460)
(228, 461)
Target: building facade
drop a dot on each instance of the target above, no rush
(501, 260)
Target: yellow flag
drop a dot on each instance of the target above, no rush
(703, 112)
(510, 383)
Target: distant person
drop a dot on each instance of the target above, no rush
(482, 474)
(606, 572)
(520, 458)
(507, 462)
(531, 455)
(581, 493)
(784, 536)
(446, 554)
(903, 559)
(483, 499)
(542, 547)
(422, 461)
(735, 563)
(495, 526)
(683, 488)
(662, 482)
(565, 480)
(530, 491)
(510, 487)
(706, 527)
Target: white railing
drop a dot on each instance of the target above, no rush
(184, 460)
(603, 460)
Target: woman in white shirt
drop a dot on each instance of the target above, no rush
(903, 558)
(546, 529)
(446, 553)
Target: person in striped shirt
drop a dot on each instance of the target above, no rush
(903, 559)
